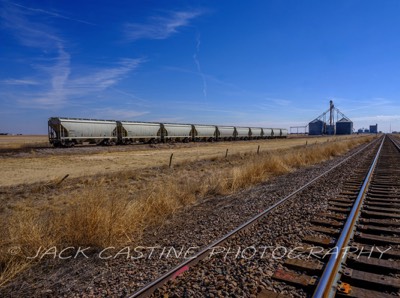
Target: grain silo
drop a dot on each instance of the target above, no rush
(344, 126)
(316, 127)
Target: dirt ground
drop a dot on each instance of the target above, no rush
(47, 164)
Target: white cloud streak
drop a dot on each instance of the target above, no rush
(64, 88)
(50, 13)
(58, 85)
(120, 114)
(19, 82)
(378, 118)
(129, 95)
(103, 78)
(28, 33)
(368, 104)
(197, 62)
(160, 27)
(59, 74)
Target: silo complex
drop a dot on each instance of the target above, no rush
(325, 123)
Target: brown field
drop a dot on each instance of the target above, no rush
(115, 202)
(17, 142)
(44, 165)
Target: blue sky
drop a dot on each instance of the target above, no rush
(259, 63)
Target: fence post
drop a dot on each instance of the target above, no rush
(226, 153)
(258, 149)
(170, 159)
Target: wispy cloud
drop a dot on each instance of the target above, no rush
(372, 103)
(50, 13)
(56, 85)
(103, 78)
(211, 78)
(29, 33)
(120, 114)
(197, 62)
(276, 104)
(59, 74)
(19, 82)
(129, 94)
(160, 27)
(65, 87)
(378, 118)
(282, 102)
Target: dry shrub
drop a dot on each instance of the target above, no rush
(21, 235)
(96, 218)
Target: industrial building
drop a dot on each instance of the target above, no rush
(373, 128)
(325, 124)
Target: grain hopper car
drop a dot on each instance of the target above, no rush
(67, 132)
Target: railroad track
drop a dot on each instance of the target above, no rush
(172, 274)
(355, 252)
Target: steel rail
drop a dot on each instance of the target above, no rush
(184, 266)
(327, 283)
(396, 142)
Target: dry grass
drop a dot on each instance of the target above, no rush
(116, 209)
(26, 141)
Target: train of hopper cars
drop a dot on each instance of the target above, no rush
(67, 132)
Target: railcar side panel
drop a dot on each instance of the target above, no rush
(256, 132)
(204, 131)
(226, 131)
(267, 133)
(92, 130)
(276, 132)
(139, 130)
(242, 132)
(177, 130)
